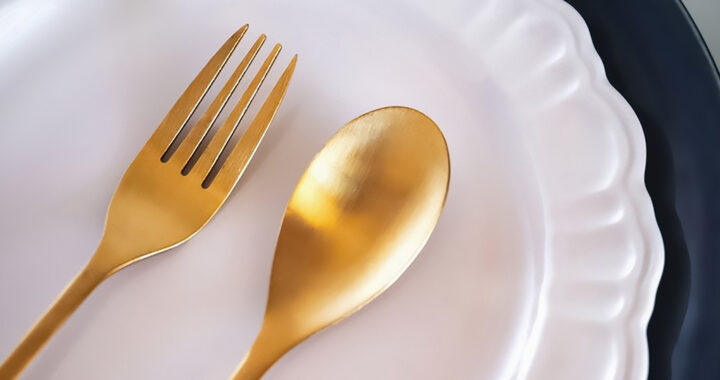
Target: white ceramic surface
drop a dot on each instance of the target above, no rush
(545, 261)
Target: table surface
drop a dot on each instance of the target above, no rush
(706, 13)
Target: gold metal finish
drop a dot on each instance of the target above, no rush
(358, 217)
(160, 204)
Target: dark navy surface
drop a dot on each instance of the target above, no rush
(655, 57)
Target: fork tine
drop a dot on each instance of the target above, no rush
(190, 143)
(173, 122)
(238, 160)
(222, 136)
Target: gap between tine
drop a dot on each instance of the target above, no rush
(218, 142)
(238, 159)
(180, 112)
(190, 143)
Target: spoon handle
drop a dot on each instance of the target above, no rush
(69, 300)
(248, 370)
(270, 344)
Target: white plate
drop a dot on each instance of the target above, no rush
(545, 261)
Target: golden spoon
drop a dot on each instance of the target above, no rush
(360, 214)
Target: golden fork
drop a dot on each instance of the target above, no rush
(164, 199)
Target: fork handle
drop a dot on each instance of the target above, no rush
(69, 300)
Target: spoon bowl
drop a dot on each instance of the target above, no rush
(359, 216)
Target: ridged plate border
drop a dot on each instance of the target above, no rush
(604, 252)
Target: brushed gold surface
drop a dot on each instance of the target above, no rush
(157, 206)
(360, 214)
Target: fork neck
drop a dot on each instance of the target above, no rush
(106, 261)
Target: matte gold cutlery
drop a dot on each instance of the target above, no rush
(360, 214)
(167, 196)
